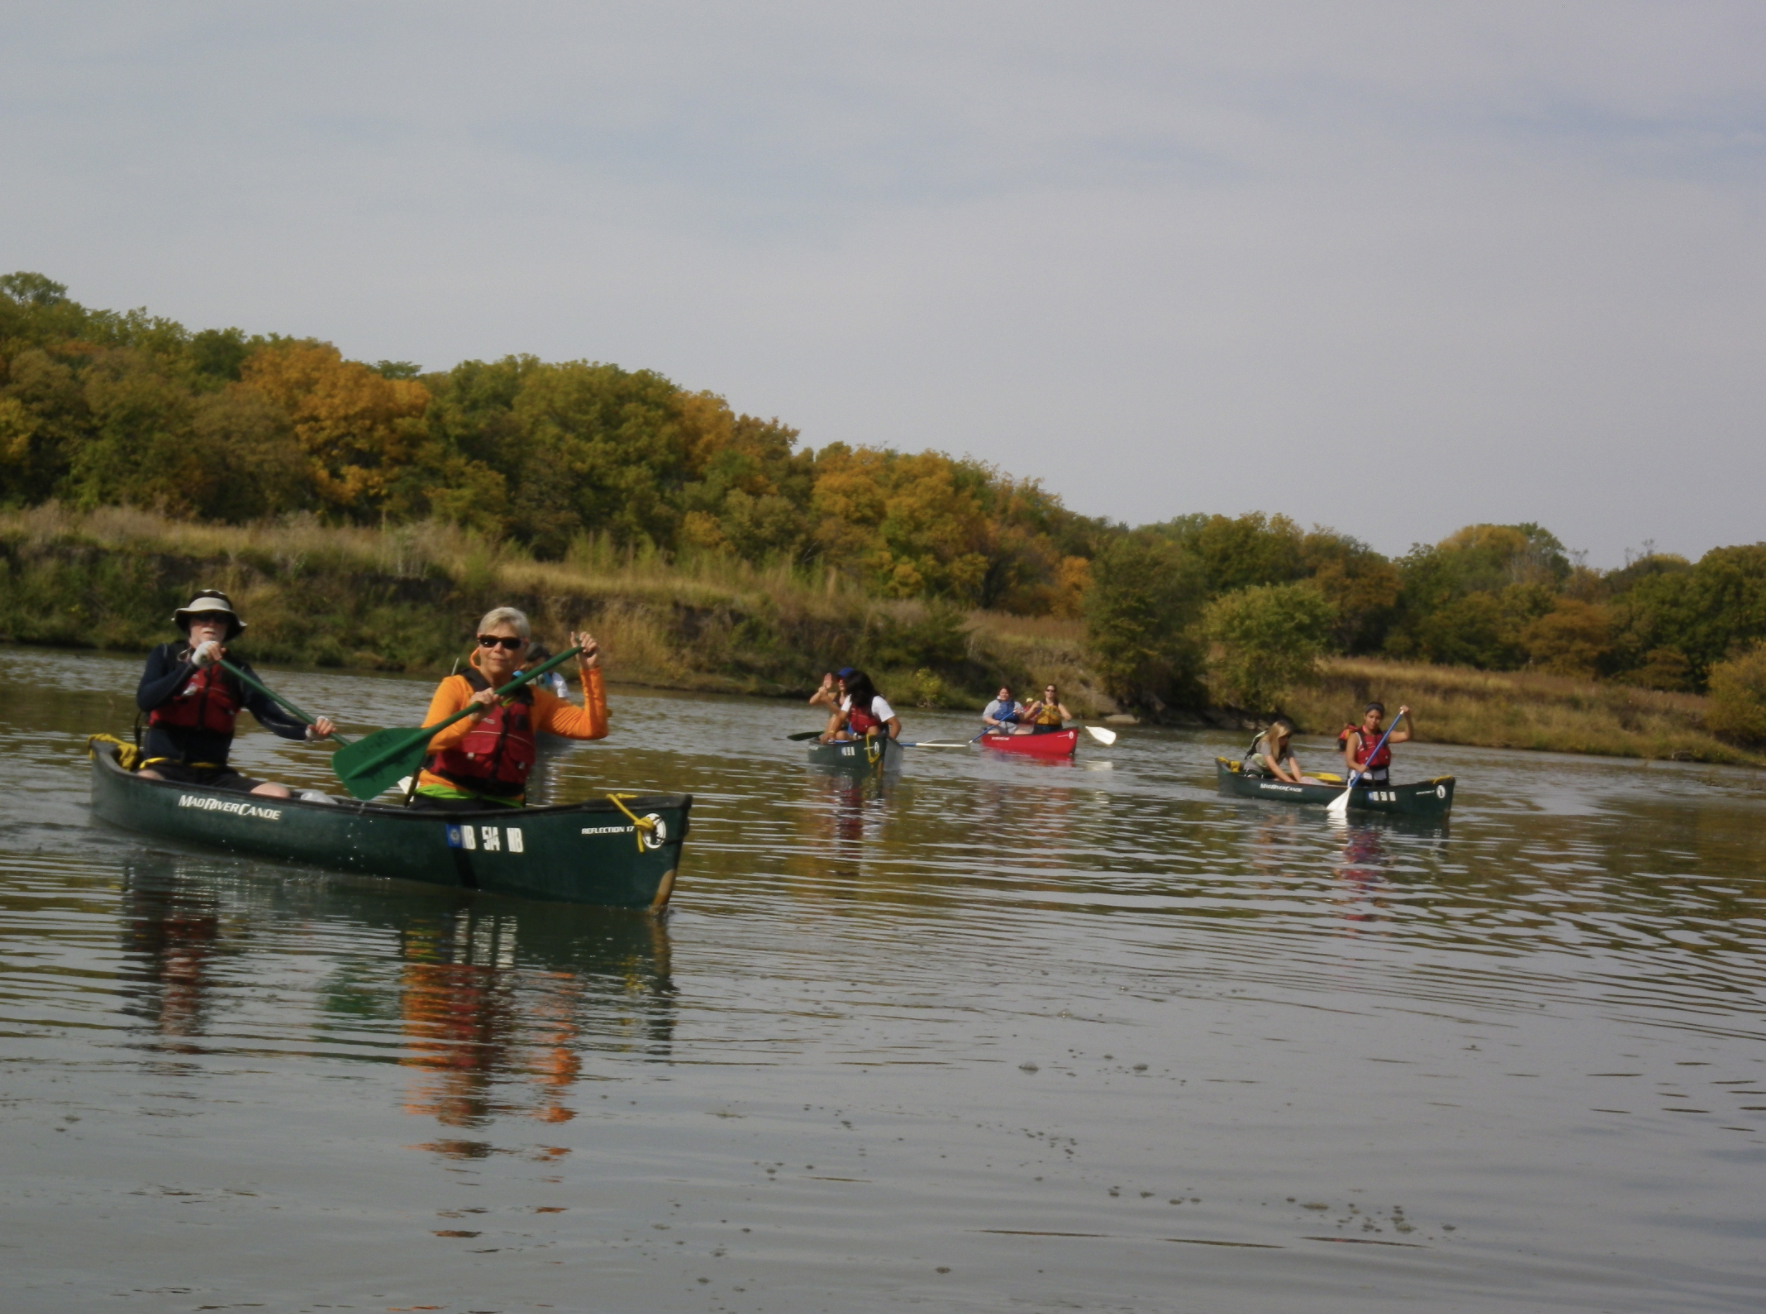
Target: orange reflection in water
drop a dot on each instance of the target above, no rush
(487, 1037)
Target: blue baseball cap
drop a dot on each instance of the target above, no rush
(845, 671)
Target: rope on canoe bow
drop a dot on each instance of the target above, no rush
(640, 824)
(128, 756)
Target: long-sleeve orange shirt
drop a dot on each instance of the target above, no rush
(551, 714)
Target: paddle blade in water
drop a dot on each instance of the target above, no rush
(1100, 734)
(802, 735)
(1339, 806)
(373, 765)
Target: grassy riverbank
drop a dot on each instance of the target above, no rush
(1516, 709)
(405, 599)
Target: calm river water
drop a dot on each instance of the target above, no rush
(997, 1035)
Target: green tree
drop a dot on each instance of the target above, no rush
(1236, 552)
(1359, 583)
(1265, 639)
(1145, 597)
(1573, 638)
(1737, 709)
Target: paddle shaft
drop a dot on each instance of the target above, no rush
(274, 697)
(430, 731)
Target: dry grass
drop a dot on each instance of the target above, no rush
(1516, 709)
(1048, 649)
(414, 551)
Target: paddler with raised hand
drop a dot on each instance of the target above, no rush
(483, 760)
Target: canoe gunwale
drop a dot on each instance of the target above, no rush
(106, 753)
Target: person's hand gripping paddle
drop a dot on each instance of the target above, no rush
(1339, 806)
(372, 765)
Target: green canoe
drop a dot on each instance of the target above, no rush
(876, 754)
(1427, 798)
(581, 853)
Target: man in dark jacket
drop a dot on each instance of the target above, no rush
(191, 703)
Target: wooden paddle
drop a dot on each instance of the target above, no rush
(273, 696)
(370, 766)
(1339, 806)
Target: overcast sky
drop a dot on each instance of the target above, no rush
(1389, 267)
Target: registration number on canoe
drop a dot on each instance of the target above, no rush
(490, 839)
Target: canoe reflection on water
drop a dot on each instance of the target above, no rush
(1367, 856)
(496, 1011)
(853, 803)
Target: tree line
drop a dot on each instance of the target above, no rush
(101, 407)
(1242, 607)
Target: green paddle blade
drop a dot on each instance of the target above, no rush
(373, 765)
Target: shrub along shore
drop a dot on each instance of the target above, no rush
(405, 599)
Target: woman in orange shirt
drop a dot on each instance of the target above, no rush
(484, 759)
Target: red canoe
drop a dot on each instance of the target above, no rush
(1060, 744)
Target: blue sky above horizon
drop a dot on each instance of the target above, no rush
(1389, 267)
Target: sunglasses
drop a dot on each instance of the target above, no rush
(504, 642)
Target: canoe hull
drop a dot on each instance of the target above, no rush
(583, 853)
(1427, 798)
(1060, 744)
(878, 754)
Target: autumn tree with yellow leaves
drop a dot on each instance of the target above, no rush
(358, 429)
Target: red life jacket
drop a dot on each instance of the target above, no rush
(208, 701)
(497, 752)
(1379, 759)
(862, 723)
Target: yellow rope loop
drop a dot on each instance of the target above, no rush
(128, 756)
(640, 824)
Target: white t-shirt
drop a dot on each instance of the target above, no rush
(880, 708)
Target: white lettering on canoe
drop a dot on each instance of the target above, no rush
(238, 808)
(489, 834)
(607, 830)
(468, 837)
(515, 839)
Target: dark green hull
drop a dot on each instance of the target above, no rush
(879, 754)
(582, 853)
(1427, 798)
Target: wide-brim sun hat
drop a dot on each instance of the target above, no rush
(209, 602)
